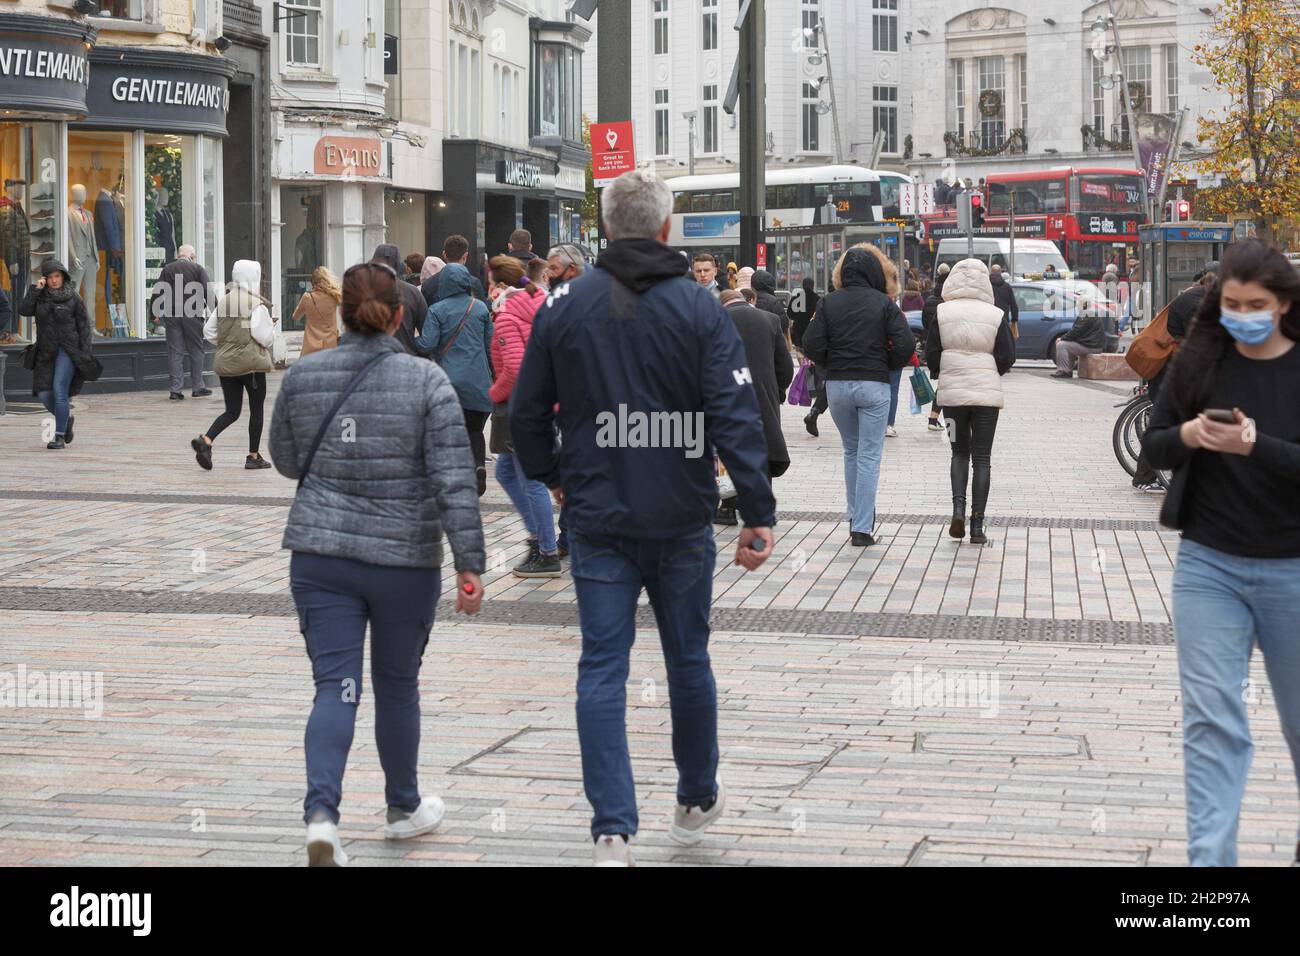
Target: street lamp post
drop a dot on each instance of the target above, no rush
(824, 52)
(689, 116)
(1099, 28)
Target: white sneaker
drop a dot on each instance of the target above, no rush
(612, 850)
(426, 818)
(323, 847)
(689, 823)
(890, 432)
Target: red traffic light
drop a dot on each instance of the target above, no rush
(1184, 210)
(976, 199)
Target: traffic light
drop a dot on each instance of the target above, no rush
(964, 213)
(976, 211)
(1178, 210)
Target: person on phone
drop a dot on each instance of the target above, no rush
(63, 358)
(1228, 423)
(366, 531)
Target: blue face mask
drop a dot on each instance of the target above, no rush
(1248, 328)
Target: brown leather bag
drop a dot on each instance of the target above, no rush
(1153, 348)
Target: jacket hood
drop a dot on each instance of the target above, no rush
(389, 255)
(432, 266)
(763, 281)
(969, 279)
(641, 263)
(860, 268)
(247, 273)
(454, 280)
(54, 265)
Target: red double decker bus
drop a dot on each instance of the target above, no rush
(1092, 214)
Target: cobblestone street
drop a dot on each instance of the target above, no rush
(1055, 738)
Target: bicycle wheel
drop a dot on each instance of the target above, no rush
(1120, 437)
(1137, 427)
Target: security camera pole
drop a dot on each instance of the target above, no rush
(751, 23)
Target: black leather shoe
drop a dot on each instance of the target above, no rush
(725, 516)
(201, 392)
(176, 397)
(56, 444)
(810, 423)
(67, 432)
(860, 539)
(202, 453)
(480, 476)
(958, 527)
(977, 535)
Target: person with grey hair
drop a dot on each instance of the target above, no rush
(635, 342)
(180, 302)
(566, 261)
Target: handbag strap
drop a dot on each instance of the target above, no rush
(329, 417)
(456, 334)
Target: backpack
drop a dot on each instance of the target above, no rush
(1153, 347)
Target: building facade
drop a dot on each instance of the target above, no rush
(112, 154)
(829, 64)
(1002, 85)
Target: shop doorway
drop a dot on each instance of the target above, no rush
(537, 220)
(499, 222)
(302, 245)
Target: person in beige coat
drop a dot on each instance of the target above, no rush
(968, 349)
(318, 310)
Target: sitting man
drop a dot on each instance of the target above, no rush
(1086, 337)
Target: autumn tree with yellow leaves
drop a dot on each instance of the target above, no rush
(1253, 52)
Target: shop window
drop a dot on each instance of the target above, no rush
(32, 216)
(557, 91)
(104, 165)
(171, 193)
(212, 188)
(122, 9)
(404, 218)
(302, 244)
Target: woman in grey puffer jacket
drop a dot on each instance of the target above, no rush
(391, 473)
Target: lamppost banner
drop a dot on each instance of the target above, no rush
(1156, 133)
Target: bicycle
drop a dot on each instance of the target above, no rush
(1126, 439)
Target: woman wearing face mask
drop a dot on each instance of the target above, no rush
(1228, 423)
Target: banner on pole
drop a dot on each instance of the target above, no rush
(1155, 138)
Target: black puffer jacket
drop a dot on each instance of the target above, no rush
(60, 322)
(764, 285)
(859, 333)
(413, 305)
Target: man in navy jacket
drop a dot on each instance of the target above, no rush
(650, 377)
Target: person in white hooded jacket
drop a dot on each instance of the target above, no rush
(968, 348)
(241, 329)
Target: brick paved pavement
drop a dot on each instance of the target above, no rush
(1061, 623)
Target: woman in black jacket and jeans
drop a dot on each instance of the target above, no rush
(1228, 423)
(63, 358)
(859, 336)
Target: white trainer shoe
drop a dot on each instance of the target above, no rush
(426, 818)
(689, 823)
(612, 850)
(323, 847)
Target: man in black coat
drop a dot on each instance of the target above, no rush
(521, 246)
(772, 370)
(413, 305)
(764, 286)
(1004, 297)
(1086, 337)
(180, 301)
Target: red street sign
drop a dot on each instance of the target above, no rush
(612, 151)
(761, 257)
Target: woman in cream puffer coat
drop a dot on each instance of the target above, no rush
(968, 349)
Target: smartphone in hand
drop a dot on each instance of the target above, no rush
(1221, 415)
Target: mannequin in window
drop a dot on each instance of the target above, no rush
(83, 252)
(164, 224)
(109, 239)
(15, 238)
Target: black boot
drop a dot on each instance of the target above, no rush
(534, 552)
(958, 527)
(959, 473)
(810, 423)
(977, 529)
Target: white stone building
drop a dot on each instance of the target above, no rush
(978, 69)
(683, 52)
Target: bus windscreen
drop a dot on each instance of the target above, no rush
(1100, 192)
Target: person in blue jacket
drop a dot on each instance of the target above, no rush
(457, 333)
(650, 377)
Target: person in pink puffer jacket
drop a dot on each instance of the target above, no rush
(517, 300)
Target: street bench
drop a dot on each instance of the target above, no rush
(1106, 367)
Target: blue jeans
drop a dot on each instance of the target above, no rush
(55, 400)
(608, 574)
(860, 410)
(895, 377)
(531, 500)
(335, 599)
(1223, 606)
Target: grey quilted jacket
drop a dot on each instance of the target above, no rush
(393, 472)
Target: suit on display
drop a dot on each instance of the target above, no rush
(109, 238)
(83, 250)
(15, 244)
(165, 226)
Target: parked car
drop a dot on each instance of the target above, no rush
(1047, 311)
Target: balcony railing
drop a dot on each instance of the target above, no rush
(1016, 142)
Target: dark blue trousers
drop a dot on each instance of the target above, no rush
(336, 597)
